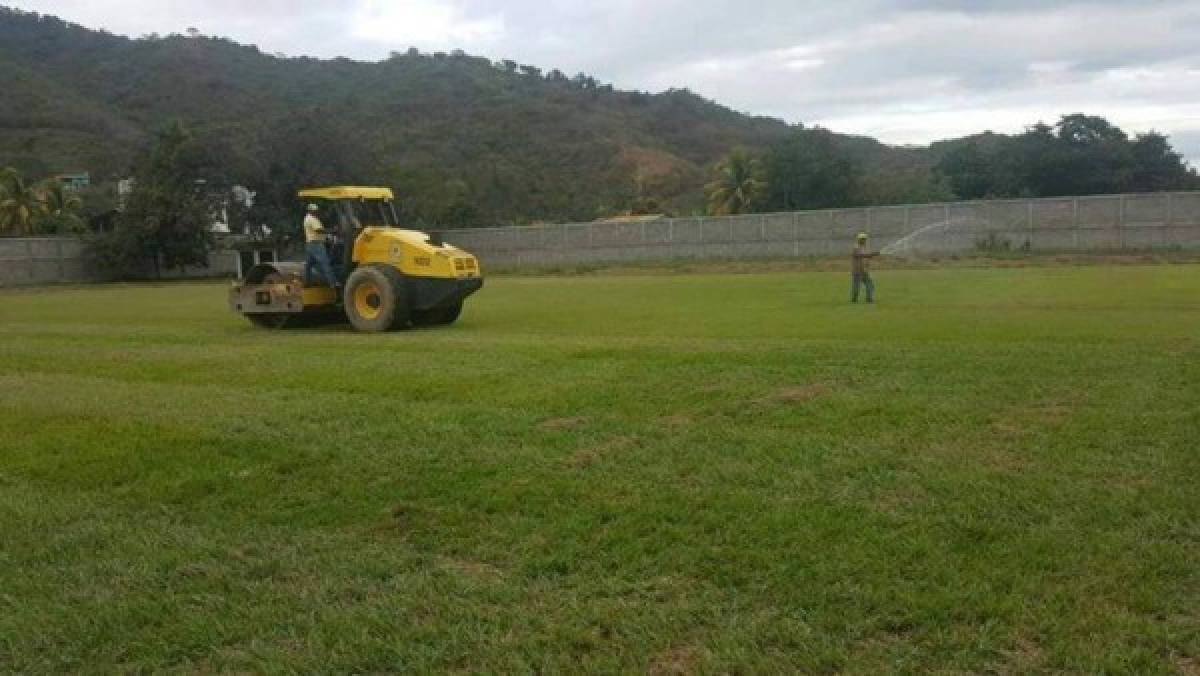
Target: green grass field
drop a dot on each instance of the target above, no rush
(990, 470)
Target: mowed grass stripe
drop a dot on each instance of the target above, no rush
(993, 469)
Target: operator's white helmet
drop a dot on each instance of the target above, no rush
(312, 207)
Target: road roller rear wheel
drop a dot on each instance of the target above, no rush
(376, 299)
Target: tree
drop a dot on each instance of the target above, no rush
(60, 210)
(1156, 166)
(167, 217)
(809, 170)
(20, 203)
(1080, 155)
(969, 170)
(310, 147)
(736, 186)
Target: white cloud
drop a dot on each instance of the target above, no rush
(423, 23)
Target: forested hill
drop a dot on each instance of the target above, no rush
(507, 141)
(467, 141)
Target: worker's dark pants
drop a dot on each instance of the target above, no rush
(316, 255)
(862, 279)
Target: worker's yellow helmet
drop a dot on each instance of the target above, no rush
(862, 236)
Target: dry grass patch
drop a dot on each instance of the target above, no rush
(675, 661)
(558, 424)
(795, 394)
(590, 455)
(676, 421)
(473, 569)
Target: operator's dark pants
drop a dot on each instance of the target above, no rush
(316, 255)
(862, 279)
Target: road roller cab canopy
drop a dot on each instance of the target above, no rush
(356, 207)
(347, 192)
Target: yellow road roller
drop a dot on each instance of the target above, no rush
(390, 278)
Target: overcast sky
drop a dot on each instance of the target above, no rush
(904, 71)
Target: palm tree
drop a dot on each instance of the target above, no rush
(20, 203)
(737, 185)
(60, 209)
(58, 200)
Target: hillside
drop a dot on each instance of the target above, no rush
(502, 142)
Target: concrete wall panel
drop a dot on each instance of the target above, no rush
(813, 247)
(814, 224)
(553, 237)
(688, 251)
(1099, 212)
(1008, 216)
(576, 236)
(1185, 236)
(926, 214)
(779, 227)
(14, 248)
(44, 248)
(747, 228)
(687, 231)
(850, 222)
(527, 238)
(1145, 210)
(1098, 239)
(888, 221)
(1053, 214)
(721, 250)
(1051, 239)
(717, 229)
(763, 249)
(970, 217)
(14, 272)
(1144, 237)
(658, 232)
(616, 234)
(1185, 209)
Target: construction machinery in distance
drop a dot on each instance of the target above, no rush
(391, 278)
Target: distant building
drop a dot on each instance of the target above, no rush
(250, 251)
(124, 190)
(74, 180)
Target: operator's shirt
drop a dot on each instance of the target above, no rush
(313, 230)
(860, 259)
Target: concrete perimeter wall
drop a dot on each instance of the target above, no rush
(50, 260)
(1099, 223)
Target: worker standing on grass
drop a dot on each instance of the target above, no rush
(860, 270)
(315, 253)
